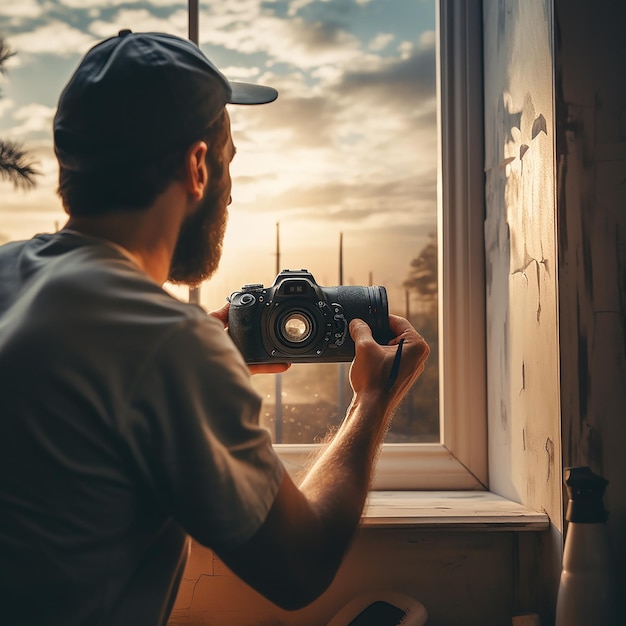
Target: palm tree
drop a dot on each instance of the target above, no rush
(15, 165)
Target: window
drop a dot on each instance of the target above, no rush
(345, 183)
(367, 170)
(341, 179)
(458, 457)
(353, 200)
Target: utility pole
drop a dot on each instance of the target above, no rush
(278, 390)
(341, 367)
(192, 12)
(341, 258)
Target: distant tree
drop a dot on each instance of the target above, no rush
(15, 164)
(417, 418)
(423, 271)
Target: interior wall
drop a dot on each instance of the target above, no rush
(521, 265)
(522, 344)
(591, 152)
(462, 578)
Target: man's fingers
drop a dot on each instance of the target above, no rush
(399, 325)
(403, 329)
(222, 314)
(359, 330)
(269, 368)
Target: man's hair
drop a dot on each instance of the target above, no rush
(126, 188)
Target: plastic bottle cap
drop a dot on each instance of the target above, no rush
(585, 490)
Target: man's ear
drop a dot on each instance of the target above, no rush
(196, 170)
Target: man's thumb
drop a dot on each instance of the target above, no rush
(359, 330)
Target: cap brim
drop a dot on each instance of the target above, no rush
(246, 93)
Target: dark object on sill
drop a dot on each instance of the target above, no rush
(379, 614)
(384, 608)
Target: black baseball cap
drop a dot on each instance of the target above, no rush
(139, 96)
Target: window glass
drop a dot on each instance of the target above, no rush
(339, 176)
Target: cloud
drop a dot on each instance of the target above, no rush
(374, 93)
(5, 105)
(428, 40)
(295, 6)
(356, 199)
(361, 152)
(294, 42)
(23, 9)
(305, 120)
(33, 118)
(99, 4)
(381, 41)
(141, 20)
(410, 79)
(54, 37)
(349, 145)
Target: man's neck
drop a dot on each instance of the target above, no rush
(148, 235)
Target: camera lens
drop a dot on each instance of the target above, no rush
(296, 328)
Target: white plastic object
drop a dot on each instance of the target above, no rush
(586, 592)
(384, 608)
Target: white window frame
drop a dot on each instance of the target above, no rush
(459, 462)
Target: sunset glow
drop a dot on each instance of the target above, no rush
(349, 148)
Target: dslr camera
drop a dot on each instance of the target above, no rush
(298, 321)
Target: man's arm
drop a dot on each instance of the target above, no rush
(295, 554)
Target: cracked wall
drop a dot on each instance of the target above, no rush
(523, 381)
(520, 245)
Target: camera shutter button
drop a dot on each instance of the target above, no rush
(247, 298)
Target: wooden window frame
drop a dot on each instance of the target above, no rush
(459, 461)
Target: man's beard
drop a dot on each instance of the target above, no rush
(199, 245)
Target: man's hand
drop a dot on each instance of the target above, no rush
(372, 365)
(265, 368)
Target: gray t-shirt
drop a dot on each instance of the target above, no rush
(127, 420)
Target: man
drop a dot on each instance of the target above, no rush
(128, 422)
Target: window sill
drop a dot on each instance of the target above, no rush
(450, 510)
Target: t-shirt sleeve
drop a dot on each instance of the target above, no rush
(193, 435)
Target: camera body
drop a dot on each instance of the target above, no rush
(298, 321)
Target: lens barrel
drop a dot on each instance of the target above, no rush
(367, 303)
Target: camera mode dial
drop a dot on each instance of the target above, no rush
(340, 325)
(246, 299)
(336, 325)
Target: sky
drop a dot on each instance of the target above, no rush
(349, 147)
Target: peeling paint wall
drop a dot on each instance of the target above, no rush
(591, 175)
(523, 382)
(522, 332)
(555, 116)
